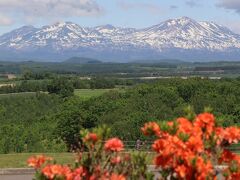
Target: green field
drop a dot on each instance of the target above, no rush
(83, 93)
(19, 160)
(88, 93)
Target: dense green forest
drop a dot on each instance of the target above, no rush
(24, 123)
(43, 122)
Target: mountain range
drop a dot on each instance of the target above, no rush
(181, 38)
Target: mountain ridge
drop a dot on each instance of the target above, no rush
(181, 38)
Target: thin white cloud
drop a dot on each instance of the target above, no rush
(5, 21)
(150, 7)
(230, 4)
(37, 9)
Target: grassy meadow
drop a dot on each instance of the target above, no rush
(86, 94)
(19, 160)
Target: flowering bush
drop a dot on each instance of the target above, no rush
(185, 149)
(98, 159)
(189, 149)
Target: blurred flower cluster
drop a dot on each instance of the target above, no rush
(190, 148)
(99, 158)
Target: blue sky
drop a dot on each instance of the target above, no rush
(124, 13)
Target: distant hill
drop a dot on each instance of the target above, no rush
(82, 60)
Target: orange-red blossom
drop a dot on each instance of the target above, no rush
(117, 177)
(187, 151)
(206, 122)
(91, 137)
(113, 144)
(151, 128)
(52, 171)
(37, 161)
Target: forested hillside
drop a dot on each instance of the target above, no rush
(41, 122)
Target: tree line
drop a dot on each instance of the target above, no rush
(59, 84)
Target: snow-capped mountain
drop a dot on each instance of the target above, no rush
(181, 38)
(186, 33)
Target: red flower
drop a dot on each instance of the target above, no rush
(79, 173)
(206, 118)
(117, 177)
(181, 154)
(235, 176)
(160, 145)
(206, 121)
(50, 171)
(185, 151)
(37, 161)
(232, 134)
(47, 171)
(170, 123)
(195, 144)
(227, 156)
(92, 177)
(184, 125)
(163, 161)
(181, 171)
(151, 128)
(204, 169)
(113, 144)
(91, 137)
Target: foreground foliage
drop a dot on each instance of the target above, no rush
(97, 159)
(185, 149)
(190, 148)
